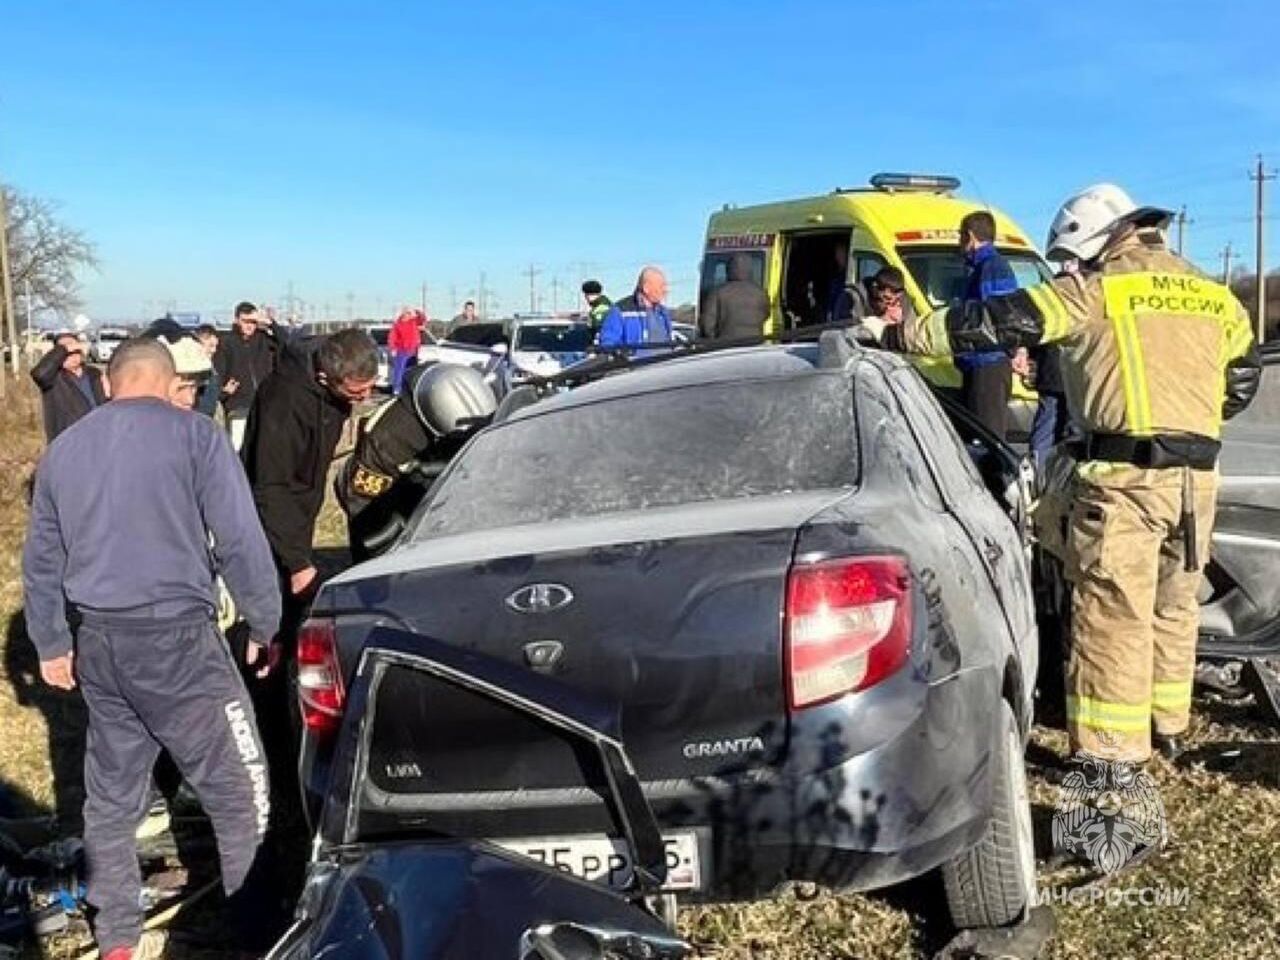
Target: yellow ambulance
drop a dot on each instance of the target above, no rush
(804, 252)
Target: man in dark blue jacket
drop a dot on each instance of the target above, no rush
(640, 318)
(987, 375)
(119, 584)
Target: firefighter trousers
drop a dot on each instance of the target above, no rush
(1134, 612)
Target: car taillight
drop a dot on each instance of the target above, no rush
(848, 626)
(321, 691)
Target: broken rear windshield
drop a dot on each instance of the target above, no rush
(670, 447)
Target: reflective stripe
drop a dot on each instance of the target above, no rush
(1090, 469)
(1104, 715)
(1137, 402)
(1057, 322)
(1171, 694)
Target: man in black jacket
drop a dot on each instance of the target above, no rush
(244, 359)
(736, 309)
(293, 430)
(69, 389)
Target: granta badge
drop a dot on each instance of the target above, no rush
(540, 598)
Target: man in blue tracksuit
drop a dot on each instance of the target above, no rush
(987, 375)
(119, 583)
(640, 318)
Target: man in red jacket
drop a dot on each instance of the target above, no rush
(403, 341)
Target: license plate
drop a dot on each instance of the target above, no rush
(606, 860)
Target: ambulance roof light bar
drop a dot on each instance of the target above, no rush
(915, 183)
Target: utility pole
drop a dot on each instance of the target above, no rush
(1182, 223)
(482, 298)
(424, 298)
(1260, 177)
(532, 273)
(351, 312)
(6, 289)
(1227, 256)
(555, 295)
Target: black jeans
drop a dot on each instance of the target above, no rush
(985, 393)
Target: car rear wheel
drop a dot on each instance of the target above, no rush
(992, 884)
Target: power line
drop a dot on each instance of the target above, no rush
(1182, 223)
(1260, 177)
(532, 273)
(1227, 257)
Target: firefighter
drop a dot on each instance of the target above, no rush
(1155, 356)
(403, 446)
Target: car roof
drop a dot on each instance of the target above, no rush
(772, 362)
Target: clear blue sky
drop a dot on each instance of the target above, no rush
(219, 151)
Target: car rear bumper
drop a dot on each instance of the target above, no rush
(902, 785)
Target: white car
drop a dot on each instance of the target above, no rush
(540, 348)
(470, 344)
(105, 342)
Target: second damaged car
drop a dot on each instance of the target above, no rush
(784, 565)
(384, 882)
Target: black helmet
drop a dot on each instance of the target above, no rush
(450, 398)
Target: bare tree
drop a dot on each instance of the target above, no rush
(44, 252)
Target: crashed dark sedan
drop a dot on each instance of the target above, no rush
(788, 569)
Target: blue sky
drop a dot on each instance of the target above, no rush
(220, 151)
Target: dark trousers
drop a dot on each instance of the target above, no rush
(1048, 427)
(159, 683)
(985, 393)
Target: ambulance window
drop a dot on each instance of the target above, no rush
(867, 265)
(940, 271)
(1029, 270)
(715, 267)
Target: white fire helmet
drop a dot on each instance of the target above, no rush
(1086, 223)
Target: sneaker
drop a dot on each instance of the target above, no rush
(157, 819)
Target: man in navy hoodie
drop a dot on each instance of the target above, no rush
(119, 583)
(987, 375)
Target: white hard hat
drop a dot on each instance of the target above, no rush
(189, 358)
(1086, 222)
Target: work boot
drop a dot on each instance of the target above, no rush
(1170, 746)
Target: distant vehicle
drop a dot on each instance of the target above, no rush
(808, 595)
(470, 344)
(539, 348)
(105, 342)
(379, 333)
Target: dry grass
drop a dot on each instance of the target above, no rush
(1223, 807)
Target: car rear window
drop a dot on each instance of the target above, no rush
(670, 447)
(430, 742)
(553, 338)
(479, 334)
